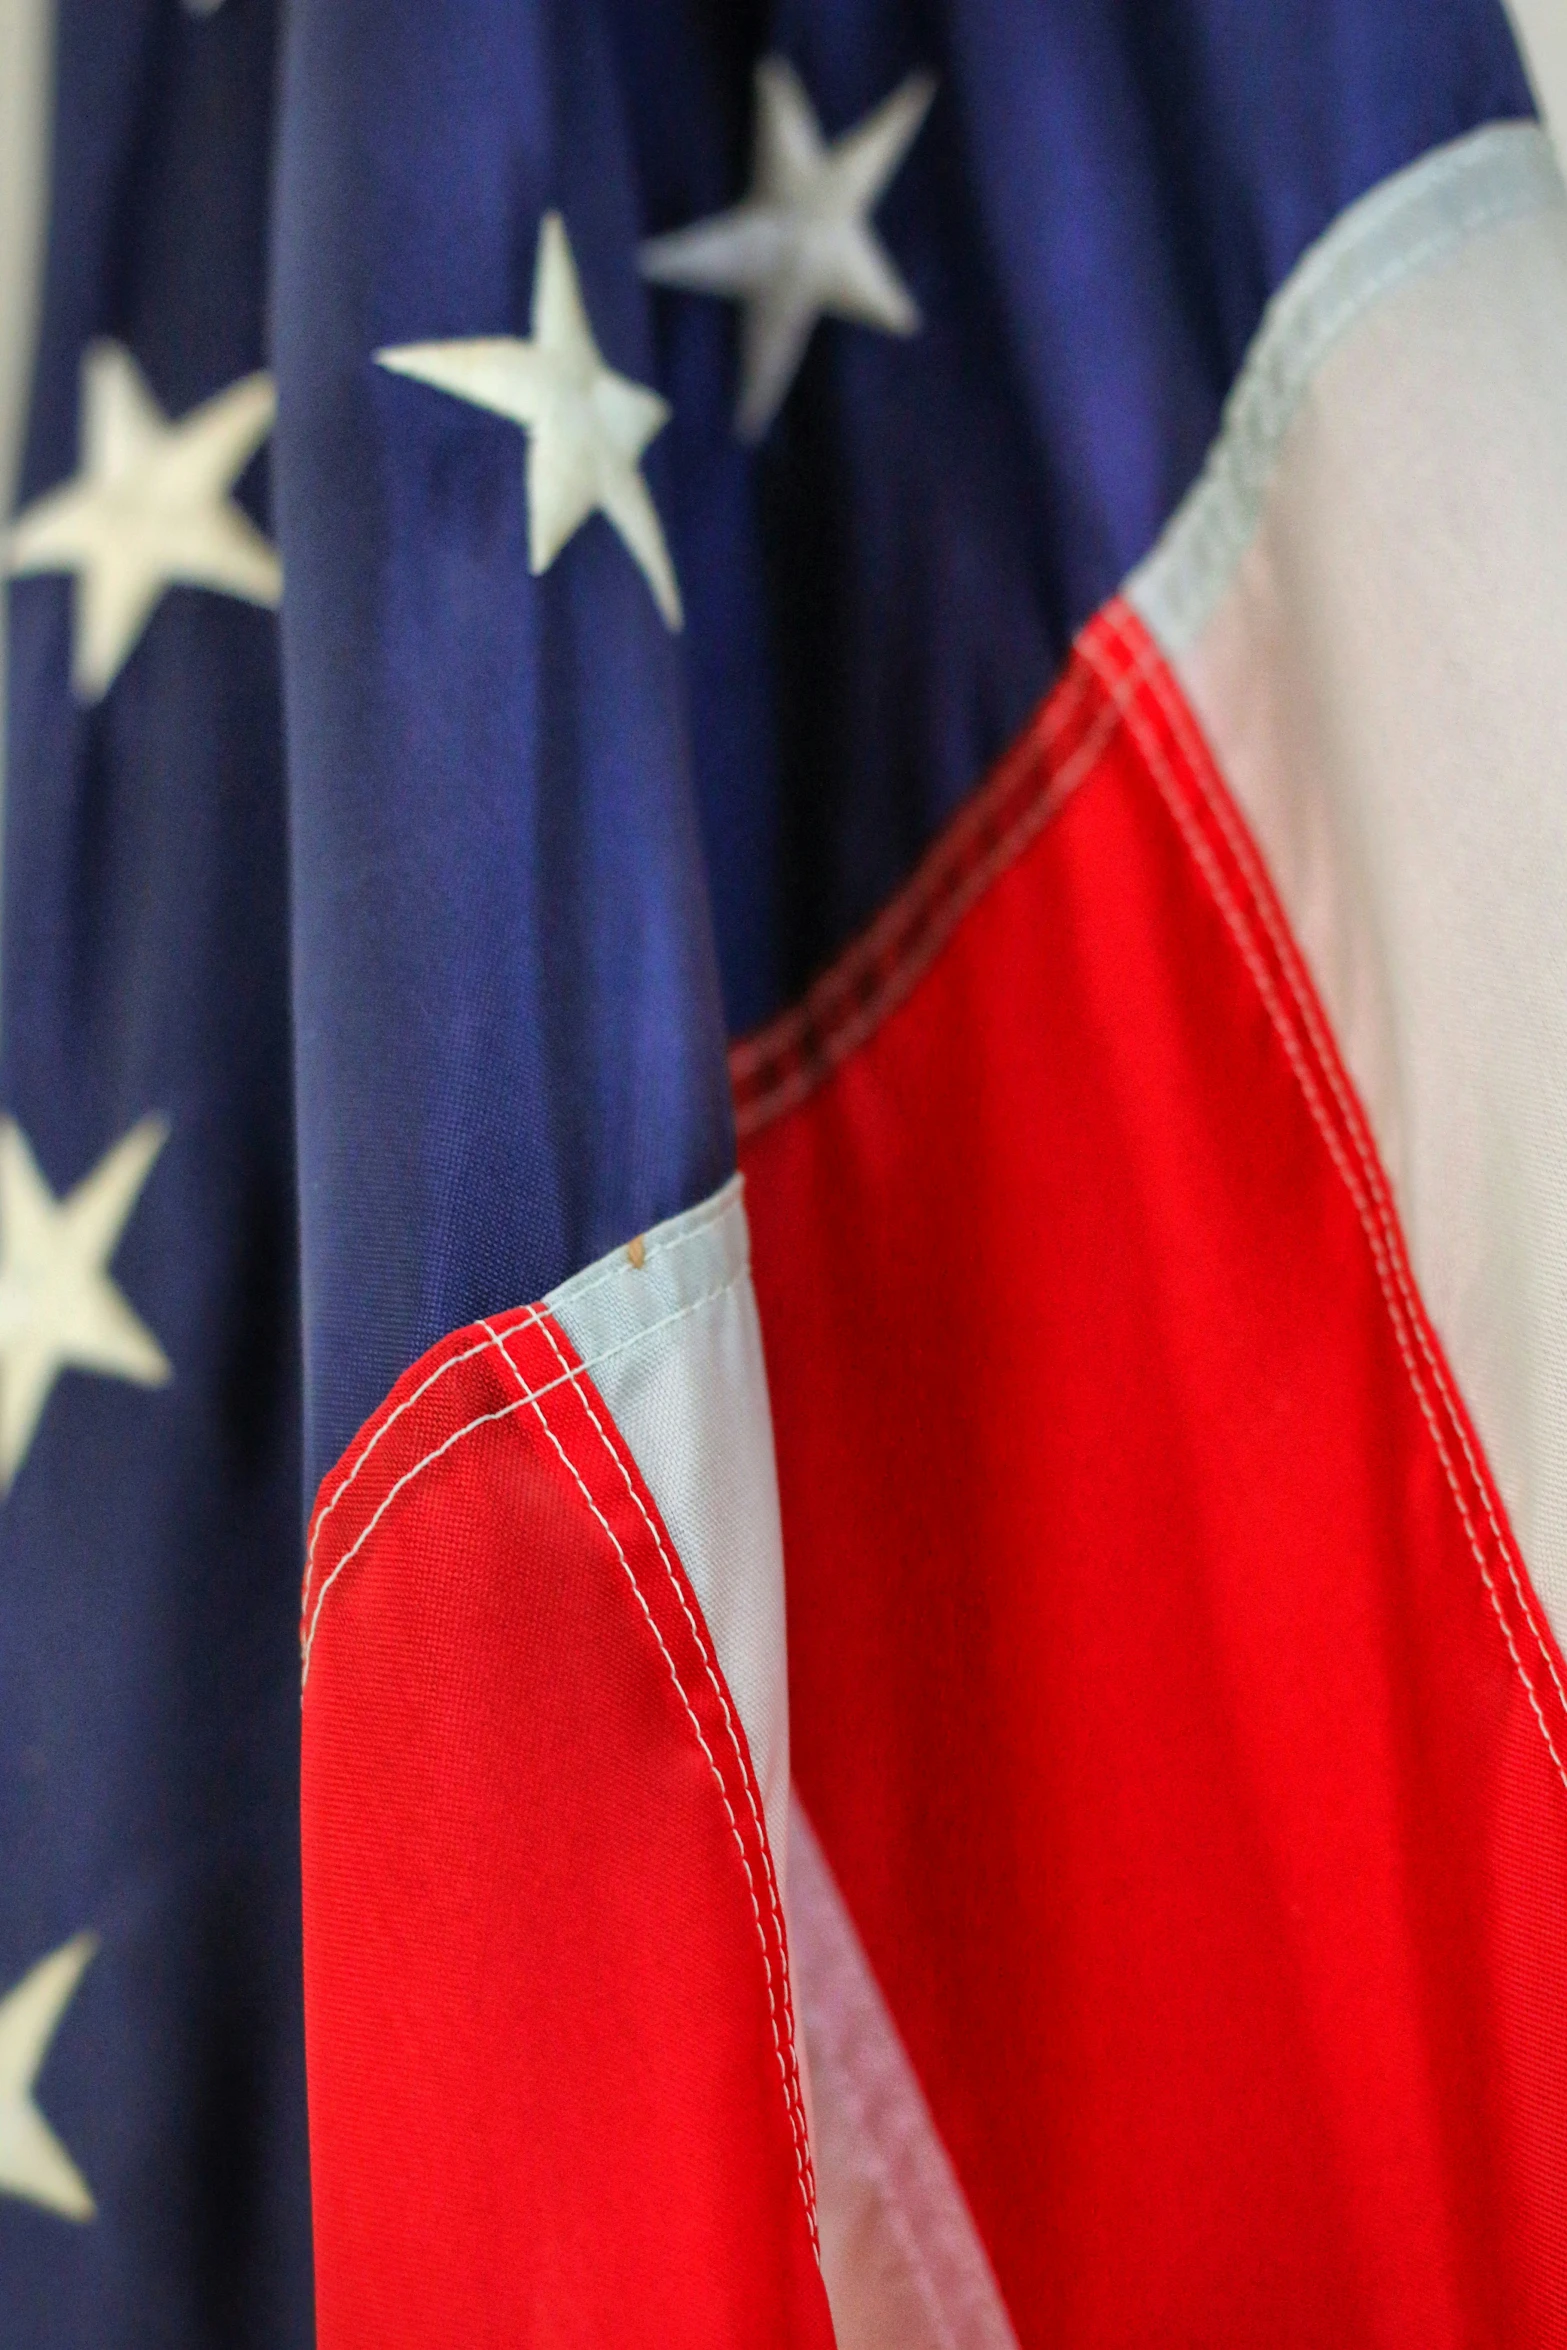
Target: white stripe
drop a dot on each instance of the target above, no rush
(692, 1405)
(1365, 600)
(902, 2259)
(1402, 229)
(904, 2266)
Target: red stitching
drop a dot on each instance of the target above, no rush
(782, 1064)
(1203, 858)
(1247, 857)
(787, 1061)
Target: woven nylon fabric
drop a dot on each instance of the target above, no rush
(1409, 797)
(669, 1332)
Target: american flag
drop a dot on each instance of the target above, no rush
(783, 1003)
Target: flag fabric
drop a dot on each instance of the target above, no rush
(153, 2164)
(783, 872)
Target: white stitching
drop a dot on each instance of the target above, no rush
(574, 1375)
(616, 1264)
(325, 1511)
(1384, 1259)
(1202, 857)
(791, 2086)
(1375, 1179)
(483, 1420)
(718, 1779)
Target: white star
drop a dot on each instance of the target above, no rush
(587, 426)
(801, 243)
(33, 2163)
(148, 510)
(59, 1310)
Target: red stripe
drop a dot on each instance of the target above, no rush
(778, 1066)
(552, 2076)
(1165, 1682)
